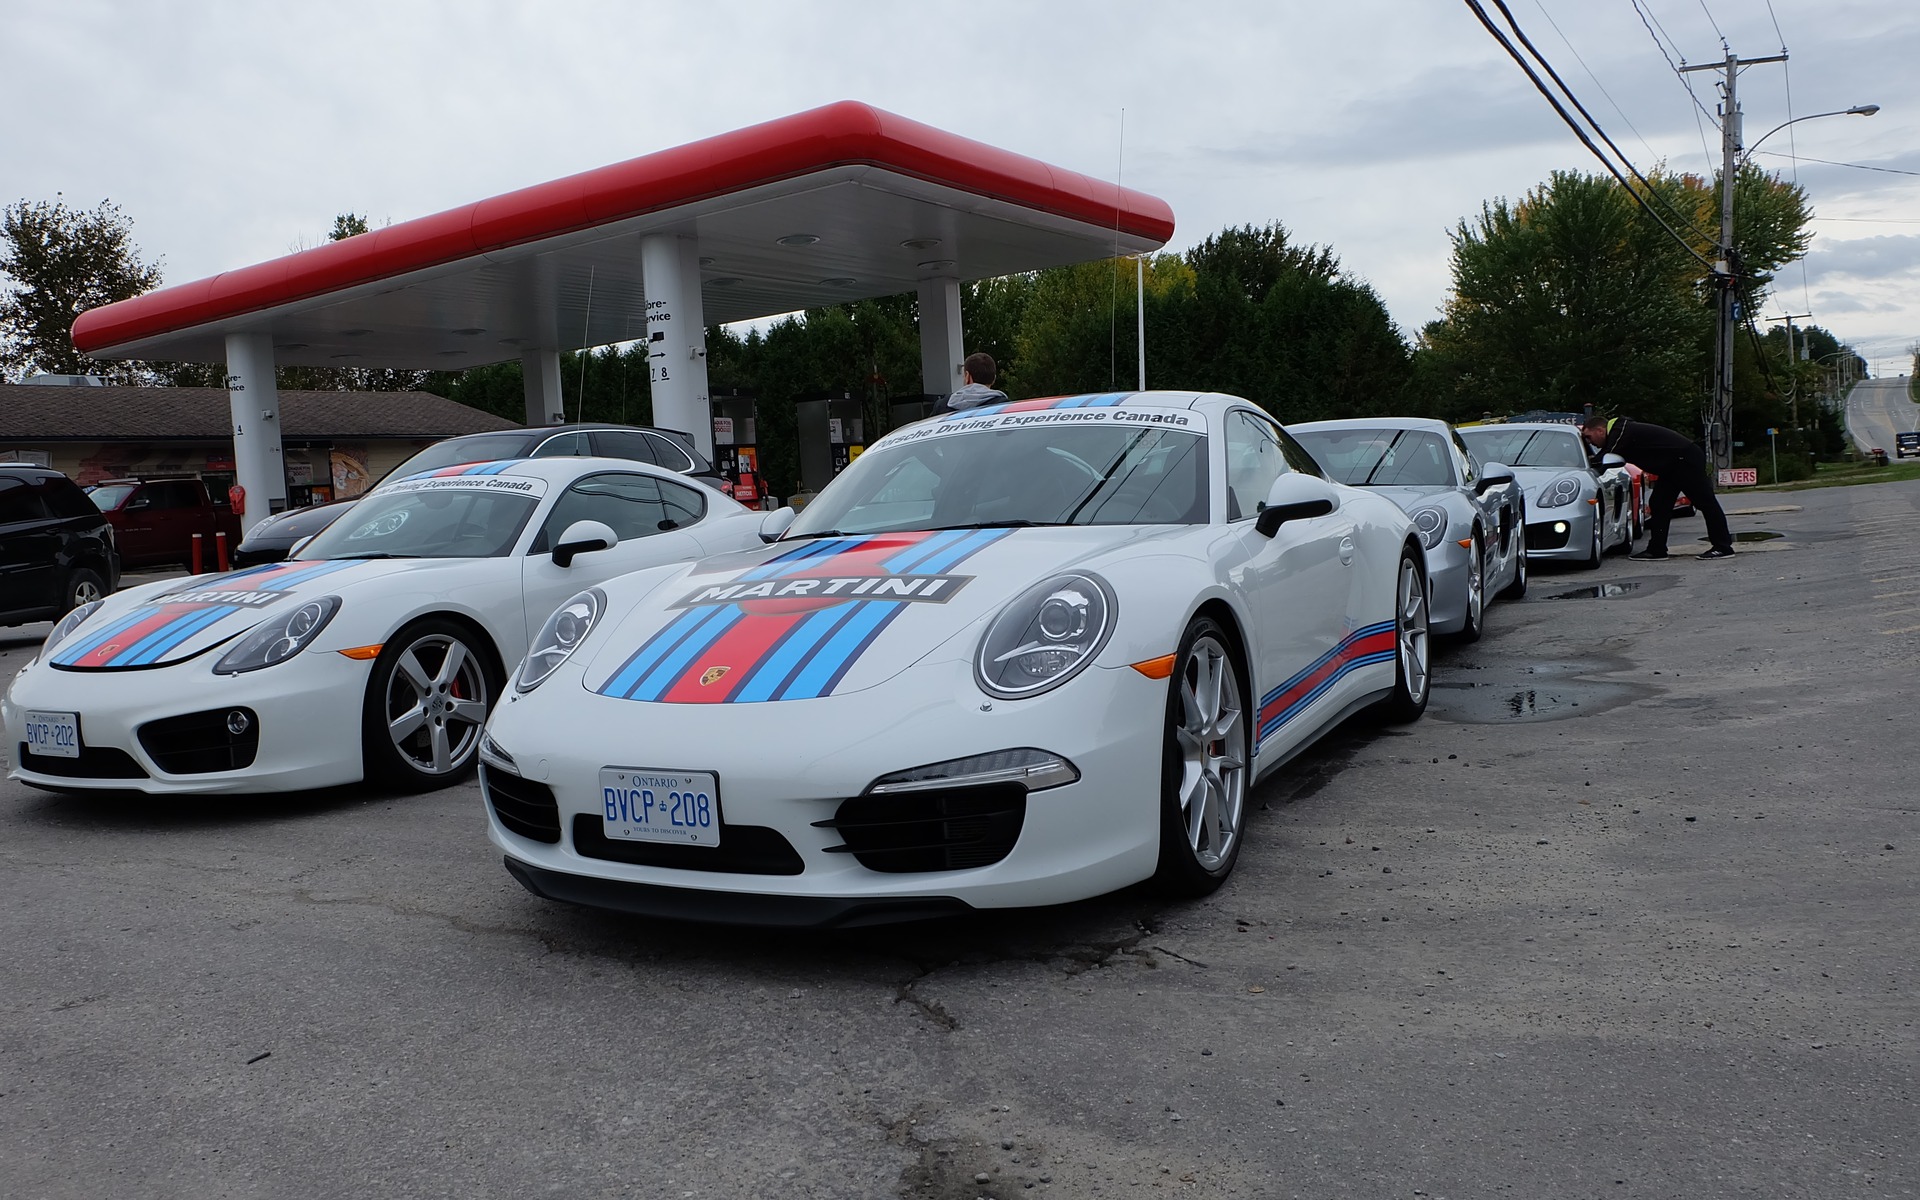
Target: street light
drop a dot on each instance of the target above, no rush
(1858, 110)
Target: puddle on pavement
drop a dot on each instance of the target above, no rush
(1513, 693)
(1616, 589)
(1754, 535)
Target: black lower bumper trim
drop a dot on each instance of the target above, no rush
(730, 908)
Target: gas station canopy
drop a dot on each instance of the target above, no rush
(840, 203)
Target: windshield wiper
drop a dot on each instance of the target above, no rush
(375, 554)
(1384, 456)
(1011, 523)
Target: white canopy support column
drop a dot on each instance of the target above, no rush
(255, 404)
(676, 336)
(941, 345)
(540, 373)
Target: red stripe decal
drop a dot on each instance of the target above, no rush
(714, 673)
(1373, 644)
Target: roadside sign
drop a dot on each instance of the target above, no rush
(1739, 476)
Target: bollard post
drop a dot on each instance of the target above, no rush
(220, 551)
(198, 561)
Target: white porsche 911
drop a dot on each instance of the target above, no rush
(1015, 655)
(376, 652)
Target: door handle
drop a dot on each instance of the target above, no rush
(1346, 551)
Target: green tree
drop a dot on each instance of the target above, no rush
(55, 263)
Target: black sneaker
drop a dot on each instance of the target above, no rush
(1716, 552)
(1643, 554)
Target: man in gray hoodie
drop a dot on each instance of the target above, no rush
(979, 372)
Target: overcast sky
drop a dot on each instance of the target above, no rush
(232, 132)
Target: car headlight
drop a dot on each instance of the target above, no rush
(559, 637)
(1046, 636)
(69, 623)
(278, 640)
(1562, 491)
(1430, 524)
(1034, 770)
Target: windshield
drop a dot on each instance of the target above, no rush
(1527, 447)
(455, 522)
(109, 496)
(481, 447)
(1379, 457)
(1041, 475)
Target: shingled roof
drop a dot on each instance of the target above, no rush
(39, 413)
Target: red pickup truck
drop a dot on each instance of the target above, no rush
(154, 520)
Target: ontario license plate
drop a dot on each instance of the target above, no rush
(53, 734)
(639, 804)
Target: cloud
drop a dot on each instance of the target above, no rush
(1864, 258)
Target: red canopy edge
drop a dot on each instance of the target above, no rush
(846, 133)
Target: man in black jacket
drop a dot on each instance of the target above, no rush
(1679, 464)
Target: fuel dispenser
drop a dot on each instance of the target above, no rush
(832, 434)
(736, 451)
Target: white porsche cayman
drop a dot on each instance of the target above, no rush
(1015, 655)
(377, 652)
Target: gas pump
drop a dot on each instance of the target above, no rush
(736, 452)
(832, 434)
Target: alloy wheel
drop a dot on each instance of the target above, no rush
(436, 704)
(1213, 767)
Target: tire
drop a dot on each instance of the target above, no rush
(426, 704)
(1476, 621)
(1206, 765)
(1597, 551)
(1412, 652)
(83, 587)
(1518, 588)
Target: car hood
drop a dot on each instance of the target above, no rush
(175, 619)
(288, 528)
(829, 616)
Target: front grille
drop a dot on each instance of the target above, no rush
(949, 829)
(201, 742)
(526, 808)
(95, 762)
(1544, 536)
(743, 850)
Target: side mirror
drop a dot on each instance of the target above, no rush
(1612, 460)
(583, 537)
(139, 502)
(776, 523)
(1492, 475)
(1296, 496)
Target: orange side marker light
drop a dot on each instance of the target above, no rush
(363, 652)
(1156, 668)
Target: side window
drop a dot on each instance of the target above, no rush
(684, 505)
(164, 496)
(1256, 457)
(672, 455)
(563, 445)
(65, 499)
(19, 502)
(631, 505)
(1469, 465)
(1297, 456)
(623, 443)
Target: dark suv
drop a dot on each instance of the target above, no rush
(56, 548)
(273, 538)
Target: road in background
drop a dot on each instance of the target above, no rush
(1877, 409)
(1630, 914)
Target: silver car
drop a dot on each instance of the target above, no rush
(1469, 512)
(1579, 511)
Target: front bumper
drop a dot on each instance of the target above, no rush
(1563, 535)
(1447, 570)
(785, 768)
(306, 713)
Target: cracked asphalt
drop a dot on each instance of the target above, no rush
(1630, 914)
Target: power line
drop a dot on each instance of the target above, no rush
(1578, 132)
(1590, 75)
(1715, 24)
(1651, 23)
(1830, 163)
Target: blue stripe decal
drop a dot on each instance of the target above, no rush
(1293, 710)
(634, 668)
(170, 635)
(74, 651)
(668, 668)
(1324, 659)
(904, 562)
(790, 654)
(976, 541)
(826, 667)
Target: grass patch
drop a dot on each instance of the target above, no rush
(1843, 475)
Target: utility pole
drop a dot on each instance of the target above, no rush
(1726, 270)
(1793, 356)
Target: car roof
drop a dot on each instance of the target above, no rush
(1532, 426)
(1423, 424)
(558, 469)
